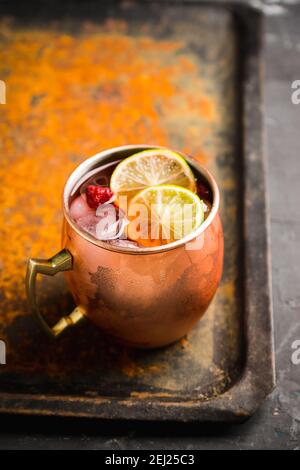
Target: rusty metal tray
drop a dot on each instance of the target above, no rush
(84, 76)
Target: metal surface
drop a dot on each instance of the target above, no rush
(207, 91)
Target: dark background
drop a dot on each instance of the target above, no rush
(277, 424)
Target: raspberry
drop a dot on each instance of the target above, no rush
(96, 195)
(203, 191)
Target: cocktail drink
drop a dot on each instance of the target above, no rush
(142, 245)
(151, 198)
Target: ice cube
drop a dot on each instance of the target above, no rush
(108, 224)
(120, 242)
(80, 208)
(112, 222)
(88, 223)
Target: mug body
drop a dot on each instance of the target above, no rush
(145, 298)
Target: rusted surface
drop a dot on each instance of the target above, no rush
(157, 75)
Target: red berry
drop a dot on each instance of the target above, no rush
(203, 191)
(96, 195)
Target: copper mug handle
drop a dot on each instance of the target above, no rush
(62, 261)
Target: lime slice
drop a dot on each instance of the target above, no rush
(163, 214)
(150, 168)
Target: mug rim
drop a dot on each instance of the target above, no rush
(83, 168)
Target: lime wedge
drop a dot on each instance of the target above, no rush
(163, 214)
(151, 168)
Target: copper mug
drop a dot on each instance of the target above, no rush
(147, 297)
